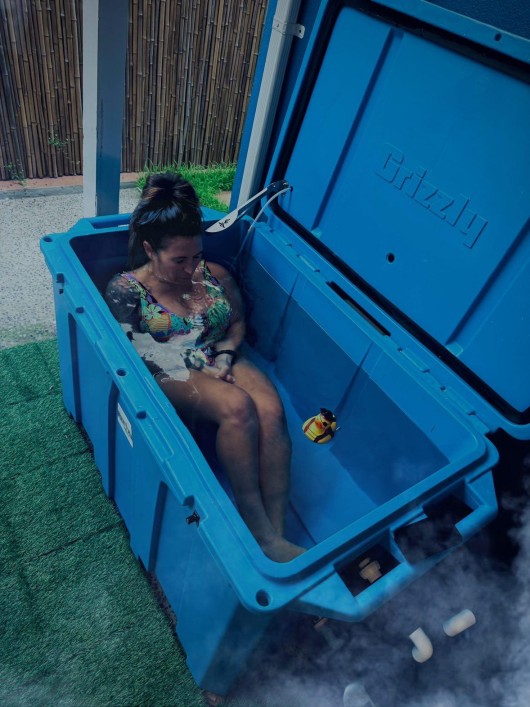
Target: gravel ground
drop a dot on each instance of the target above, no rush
(27, 312)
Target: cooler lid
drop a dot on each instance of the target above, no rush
(408, 150)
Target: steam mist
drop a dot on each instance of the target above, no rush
(488, 665)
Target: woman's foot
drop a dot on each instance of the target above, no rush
(281, 550)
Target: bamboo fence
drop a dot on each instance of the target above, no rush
(188, 76)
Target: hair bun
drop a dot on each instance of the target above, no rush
(169, 187)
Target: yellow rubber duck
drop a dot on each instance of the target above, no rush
(320, 428)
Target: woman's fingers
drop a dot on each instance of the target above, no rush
(224, 374)
(221, 372)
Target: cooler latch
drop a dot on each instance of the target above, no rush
(193, 518)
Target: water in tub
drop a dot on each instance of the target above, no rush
(170, 356)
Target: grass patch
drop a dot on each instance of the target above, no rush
(207, 181)
(79, 622)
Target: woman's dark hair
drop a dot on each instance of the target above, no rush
(168, 207)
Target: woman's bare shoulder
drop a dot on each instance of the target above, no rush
(218, 271)
(120, 283)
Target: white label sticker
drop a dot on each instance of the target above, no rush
(125, 424)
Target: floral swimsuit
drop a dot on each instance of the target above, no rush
(168, 342)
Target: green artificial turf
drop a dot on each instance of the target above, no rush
(79, 622)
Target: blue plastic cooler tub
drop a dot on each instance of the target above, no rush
(365, 298)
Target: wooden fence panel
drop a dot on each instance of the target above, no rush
(188, 76)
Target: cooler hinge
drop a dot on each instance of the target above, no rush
(466, 408)
(415, 360)
(288, 28)
(463, 406)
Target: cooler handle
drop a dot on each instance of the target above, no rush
(479, 494)
(332, 599)
(98, 223)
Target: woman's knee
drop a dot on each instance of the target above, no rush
(238, 408)
(213, 400)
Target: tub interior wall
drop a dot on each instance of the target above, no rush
(317, 361)
(378, 451)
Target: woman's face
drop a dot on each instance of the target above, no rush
(177, 259)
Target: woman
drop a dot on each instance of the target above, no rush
(185, 317)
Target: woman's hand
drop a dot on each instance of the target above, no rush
(218, 366)
(222, 368)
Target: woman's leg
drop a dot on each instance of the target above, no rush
(275, 443)
(233, 410)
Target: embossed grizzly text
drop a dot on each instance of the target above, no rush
(412, 181)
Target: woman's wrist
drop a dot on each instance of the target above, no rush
(231, 353)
